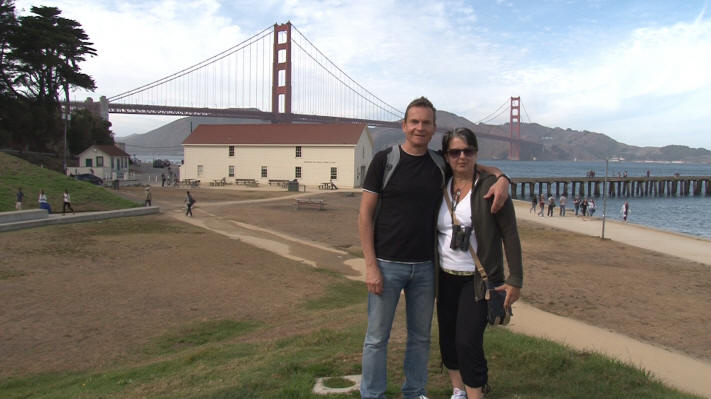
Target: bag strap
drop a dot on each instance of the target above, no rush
(477, 262)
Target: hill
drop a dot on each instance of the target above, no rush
(541, 142)
(15, 172)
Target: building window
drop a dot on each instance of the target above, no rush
(231, 171)
(99, 162)
(232, 150)
(334, 173)
(88, 163)
(264, 171)
(199, 170)
(298, 151)
(297, 172)
(112, 163)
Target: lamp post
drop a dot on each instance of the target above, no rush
(66, 116)
(604, 199)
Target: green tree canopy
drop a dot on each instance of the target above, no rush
(40, 57)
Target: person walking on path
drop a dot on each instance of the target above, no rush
(189, 202)
(67, 202)
(541, 204)
(551, 205)
(461, 304)
(562, 203)
(584, 207)
(19, 198)
(576, 205)
(162, 179)
(398, 248)
(591, 207)
(43, 204)
(149, 197)
(625, 211)
(534, 204)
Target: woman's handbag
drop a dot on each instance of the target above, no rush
(496, 313)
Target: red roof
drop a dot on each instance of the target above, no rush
(345, 133)
(111, 150)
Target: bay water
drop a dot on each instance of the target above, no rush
(689, 214)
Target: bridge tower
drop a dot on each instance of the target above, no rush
(515, 126)
(281, 71)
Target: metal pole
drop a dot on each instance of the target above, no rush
(604, 200)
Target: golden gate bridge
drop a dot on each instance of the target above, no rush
(278, 76)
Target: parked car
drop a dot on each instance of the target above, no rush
(88, 177)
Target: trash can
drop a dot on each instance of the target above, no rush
(115, 184)
(293, 185)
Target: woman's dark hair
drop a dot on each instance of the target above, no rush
(463, 133)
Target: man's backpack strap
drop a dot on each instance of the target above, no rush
(391, 162)
(439, 161)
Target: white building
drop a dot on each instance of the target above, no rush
(311, 153)
(108, 162)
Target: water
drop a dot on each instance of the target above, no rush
(688, 215)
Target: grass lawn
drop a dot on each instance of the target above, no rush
(313, 327)
(15, 172)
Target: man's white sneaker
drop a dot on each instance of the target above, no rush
(458, 394)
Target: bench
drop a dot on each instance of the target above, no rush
(310, 203)
(278, 182)
(247, 182)
(191, 182)
(218, 182)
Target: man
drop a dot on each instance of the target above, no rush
(19, 197)
(563, 202)
(398, 247)
(551, 204)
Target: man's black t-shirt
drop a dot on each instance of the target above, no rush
(405, 226)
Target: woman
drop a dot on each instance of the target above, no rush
(625, 211)
(461, 308)
(66, 202)
(43, 204)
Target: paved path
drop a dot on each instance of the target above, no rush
(673, 368)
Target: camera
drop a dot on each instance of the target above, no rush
(460, 237)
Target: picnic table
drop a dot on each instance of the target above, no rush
(310, 203)
(327, 186)
(247, 182)
(279, 182)
(218, 182)
(191, 182)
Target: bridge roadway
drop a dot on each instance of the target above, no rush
(140, 109)
(623, 186)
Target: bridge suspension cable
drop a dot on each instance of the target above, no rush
(246, 80)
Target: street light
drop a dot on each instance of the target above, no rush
(604, 199)
(66, 116)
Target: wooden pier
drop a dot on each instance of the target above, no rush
(653, 186)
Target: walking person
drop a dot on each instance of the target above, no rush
(534, 204)
(591, 207)
(405, 184)
(149, 197)
(625, 211)
(19, 198)
(576, 204)
(189, 202)
(465, 224)
(66, 202)
(563, 201)
(541, 204)
(584, 208)
(162, 179)
(43, 204)
(551, 205)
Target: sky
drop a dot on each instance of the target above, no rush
(637, 71)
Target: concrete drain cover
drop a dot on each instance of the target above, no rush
(320, 389)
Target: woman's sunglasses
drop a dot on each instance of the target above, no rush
(456, 152)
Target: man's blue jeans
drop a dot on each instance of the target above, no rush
(417, 279)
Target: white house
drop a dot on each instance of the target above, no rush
(311, 153)
(108, 162)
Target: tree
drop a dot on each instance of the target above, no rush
(41, 57)
(86, 130)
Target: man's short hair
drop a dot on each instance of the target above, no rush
(422, 102)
